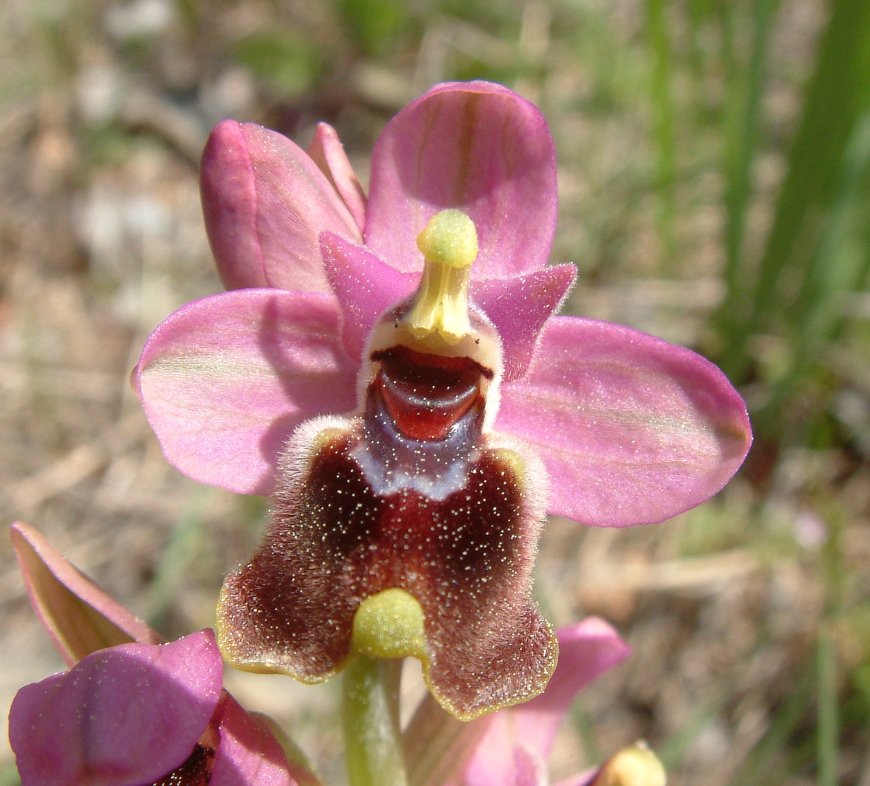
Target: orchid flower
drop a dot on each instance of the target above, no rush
(389, 368)
(130, 710)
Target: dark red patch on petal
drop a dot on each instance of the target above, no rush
(196, 770)
(467, 559)
(427, 394)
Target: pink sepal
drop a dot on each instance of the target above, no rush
(476, 146)
(328, 153)
(265, 203)
(79, 617)
(529, 770)
(519, 307)
(248, 753)
(225, 380)
(365, 287)
(632, 429)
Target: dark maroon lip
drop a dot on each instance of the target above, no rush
(460, 543)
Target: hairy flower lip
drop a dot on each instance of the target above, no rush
(339, 535)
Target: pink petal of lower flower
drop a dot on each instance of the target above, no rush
(265, 203)
(529, 770)
(365, 287)
(519, 307)
(225, 380)
(632, 430)
(248, 753)
(123, 716)
(79, 617)
(475, 146)
(586, 650)
(328, 153)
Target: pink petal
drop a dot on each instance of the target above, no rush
(248, 753)
(265, 203)
(328, 153)
(476, 146)
(123, 716)
(519, 307)
(586, 650)
(225, 380)
(365, 287)
(79, 617)
(529, 770)
(632, 430)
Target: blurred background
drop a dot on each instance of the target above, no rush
(715, 190)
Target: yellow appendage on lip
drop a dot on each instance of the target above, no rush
(389, 625)
(449, 246)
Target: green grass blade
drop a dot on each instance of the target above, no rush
(699, 15)
(835, 97)
(742, 137)
(828, 711)
(841, 267)
(180, 553)
(663, 123)
(784, 722)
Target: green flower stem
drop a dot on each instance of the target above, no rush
(370, 720)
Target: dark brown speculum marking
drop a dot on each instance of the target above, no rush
(410, 496)
(195, 771)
